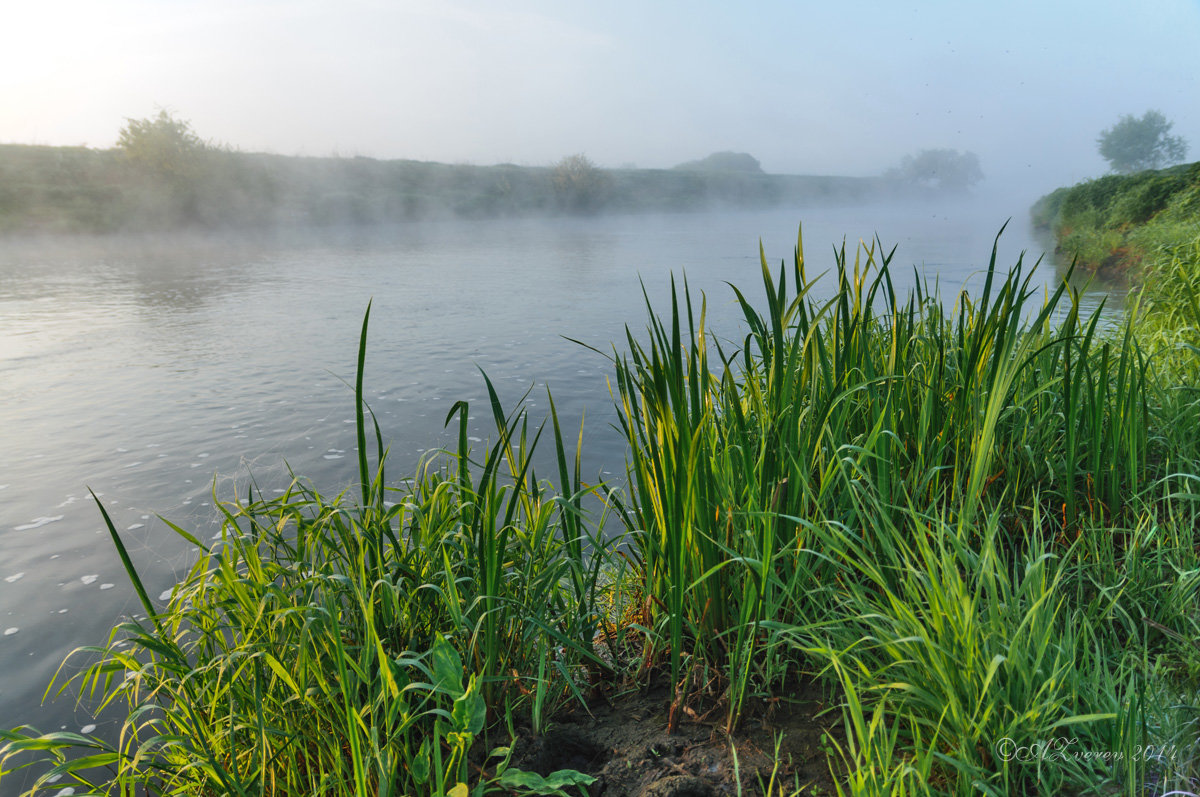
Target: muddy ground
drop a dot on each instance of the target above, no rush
(624, 743)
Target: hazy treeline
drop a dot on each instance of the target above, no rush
(76, 189)
(1115, 222)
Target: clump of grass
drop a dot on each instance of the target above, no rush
(329, 647)
(1002, 407)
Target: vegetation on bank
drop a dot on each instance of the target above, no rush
(163, 176)
(1117, 223)
(74, 189)
(976, 524)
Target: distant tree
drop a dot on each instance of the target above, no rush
(724, 162)
(579, 184)
(1133, 144)
(941, 169)
(162, 145)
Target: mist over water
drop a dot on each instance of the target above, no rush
(151, 370)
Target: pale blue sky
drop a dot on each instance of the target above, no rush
(832, 88)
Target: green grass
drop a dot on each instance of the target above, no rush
(1120, 221)
(336, 646)
(975, 520)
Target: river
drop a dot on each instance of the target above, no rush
(149, 370)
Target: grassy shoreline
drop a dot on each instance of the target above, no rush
(976, 525)
(57, 190)
(1116, 223)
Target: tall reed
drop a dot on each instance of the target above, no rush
(737, 450)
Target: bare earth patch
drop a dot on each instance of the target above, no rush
(624, 743)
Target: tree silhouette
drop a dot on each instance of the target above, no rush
(941, 169)
(163, 145)
(1133, 144)
(579, 185)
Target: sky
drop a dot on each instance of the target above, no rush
(847, 87)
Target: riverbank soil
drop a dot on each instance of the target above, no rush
(623, 742)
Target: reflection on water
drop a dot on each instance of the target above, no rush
(141, 369)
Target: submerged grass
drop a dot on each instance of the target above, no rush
(976, 522)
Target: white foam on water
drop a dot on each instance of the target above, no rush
(67, 792)
(15, 577)
(132, 465)
(202, 456)
(87, 728)
(11, 631)
(107, 586)
(145, 517)
(3, 486)
(333, 456)
(38, 523)
(63, 611)
(136, 526)
(89, 579)
(474, 439)
(70, 500)
(165, 595)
